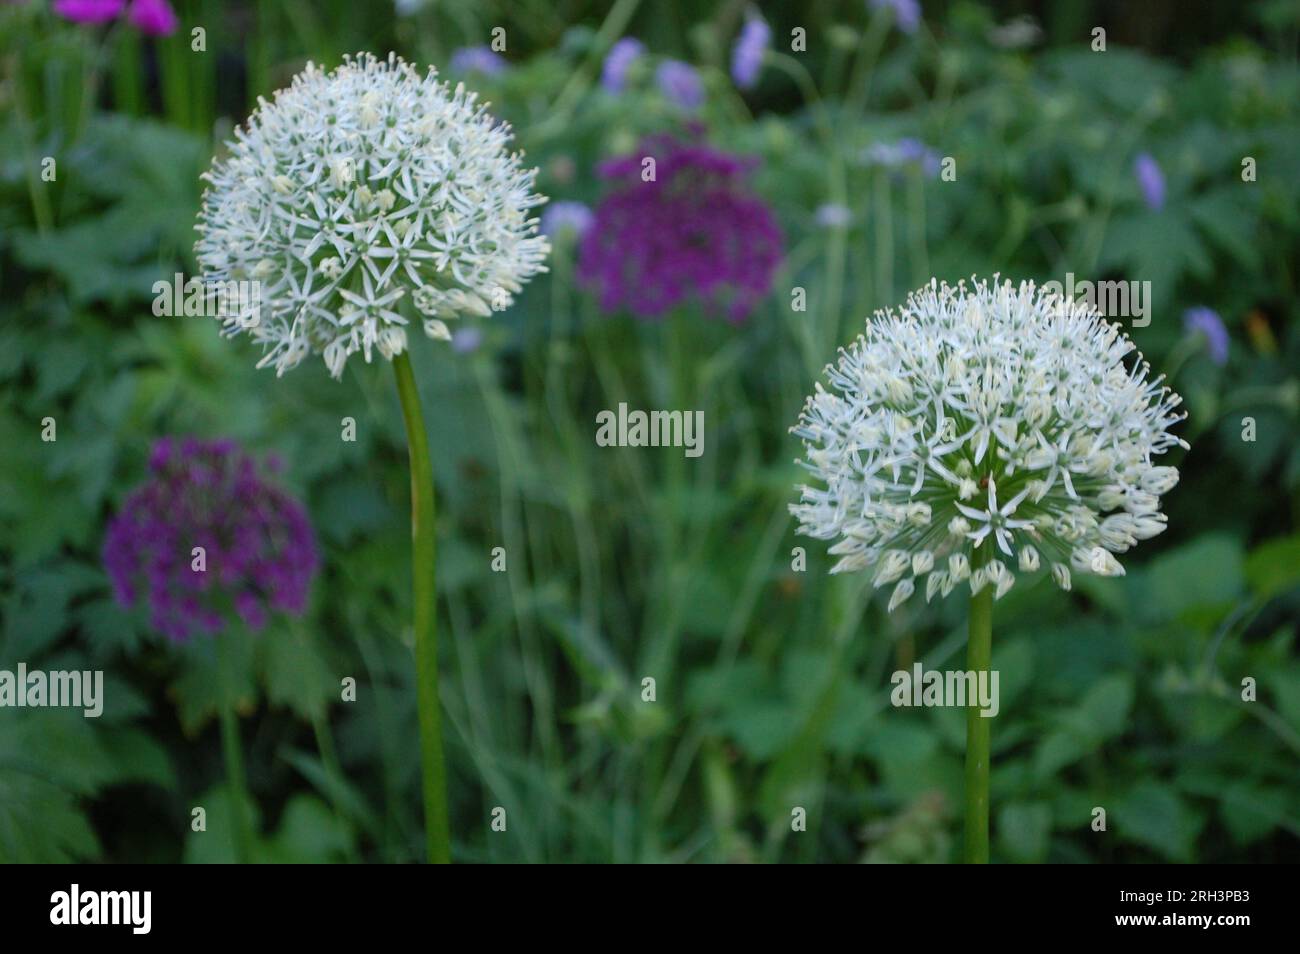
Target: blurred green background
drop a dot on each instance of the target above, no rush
(771, 684)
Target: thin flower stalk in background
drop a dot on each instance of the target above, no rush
(360, 199)
(976, 430)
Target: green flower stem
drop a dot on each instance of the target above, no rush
(235, 781)
(979, 658)
(423, 548)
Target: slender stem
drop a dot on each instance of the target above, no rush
(433, 770)
(979, 658)
(235, 781)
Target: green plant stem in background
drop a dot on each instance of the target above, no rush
(423, 550)
(979, 657)
(235, 782)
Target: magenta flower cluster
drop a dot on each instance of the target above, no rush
(151, 17)
(693, 231)
(259, 552)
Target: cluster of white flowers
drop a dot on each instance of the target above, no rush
(1000, 418)
(355, 188)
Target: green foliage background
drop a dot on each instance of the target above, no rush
(772, 685)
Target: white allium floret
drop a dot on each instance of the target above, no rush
(1008, 420)
(360, 197)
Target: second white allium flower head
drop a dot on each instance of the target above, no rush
(358, 190)
(980, 428)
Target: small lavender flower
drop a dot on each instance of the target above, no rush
(1206, 322)
(907, 13)
(259, 549)
(903, 152)
(1150, 180)
(747, 54)
(466, 339)
(153, 17)
(619, 60)
(695, 231)
(478, 59)
(561, 218)
(832, 215)
(680, 84)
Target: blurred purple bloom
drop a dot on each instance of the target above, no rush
(1208, 323)
(566, 216)
(907, 13)
(680, 83)
(153, 17)
(1150, 180)
(478, 59)
(694, 232)
(467, 339)
(89, 11)
(904, 152)
(259, 548)
(747, 54)
(621, 56)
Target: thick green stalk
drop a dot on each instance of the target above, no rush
(979, 658)
(235, 782)
(423, 547)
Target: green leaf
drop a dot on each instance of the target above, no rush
(1208, 572)
(309, 833)
(1081, 730)
(1024, 831)
(199, 689)
(295, 673)
(1154, 815)
(1273, 567)
(1250, 811)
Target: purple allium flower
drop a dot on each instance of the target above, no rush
(1150, 180)
(560, 217)
(89, 11)
(908, 151)
(478, 59)
(619, 60)
(747, 54)
(680, 83)
(153, 17)
(259, 549)
(694, 231)
(907, 13)
(1207, 322)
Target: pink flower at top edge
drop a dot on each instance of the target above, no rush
(89, 11)
(153, 17)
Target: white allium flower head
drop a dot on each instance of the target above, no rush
(979, 429)
(356, 191)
